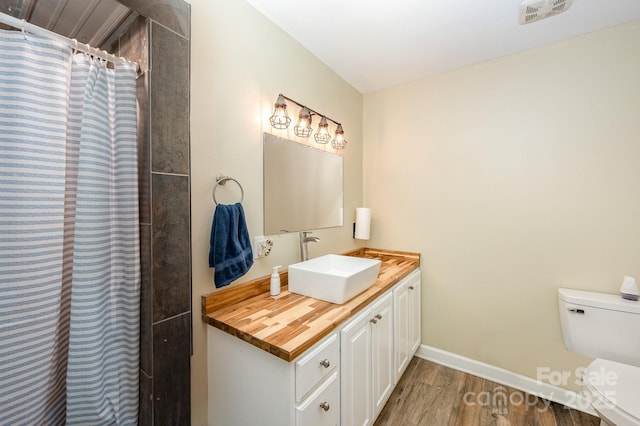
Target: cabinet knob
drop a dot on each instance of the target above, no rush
(378, 316)
(410, 287)
(325, 363)
(373, 320)
(325, 406)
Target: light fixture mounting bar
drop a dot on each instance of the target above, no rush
(311, 110)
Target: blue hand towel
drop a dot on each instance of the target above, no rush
(230, 247)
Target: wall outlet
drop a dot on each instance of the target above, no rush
(261, 247)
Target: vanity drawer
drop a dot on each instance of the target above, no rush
(313, 367)
(322, 408)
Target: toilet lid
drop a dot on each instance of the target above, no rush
(616, 383)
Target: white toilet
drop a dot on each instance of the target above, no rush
(605, 327)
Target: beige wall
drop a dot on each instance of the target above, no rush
(512, 178)
(240, 62)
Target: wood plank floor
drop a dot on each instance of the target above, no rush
(431, 394)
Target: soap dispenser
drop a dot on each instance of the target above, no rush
(275, 281)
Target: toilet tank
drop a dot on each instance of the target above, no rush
(600, 325)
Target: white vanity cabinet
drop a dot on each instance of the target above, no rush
(415, 311)
(344, 379)
(407, 321)
(317, 375)
(376, 347)
(367, 355)
(382, 351)
(355, 354)
(248, 386)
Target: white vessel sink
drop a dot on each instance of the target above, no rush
(332, 277)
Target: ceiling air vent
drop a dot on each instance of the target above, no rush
(535, 10)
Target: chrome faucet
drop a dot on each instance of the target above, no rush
(304, 239)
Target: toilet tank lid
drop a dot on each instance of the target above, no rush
(599, 300)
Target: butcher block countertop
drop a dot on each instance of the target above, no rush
(290, 324)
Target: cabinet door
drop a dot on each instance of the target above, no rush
(402, 334)
(382, 377)
(415, 312)
(355, 374)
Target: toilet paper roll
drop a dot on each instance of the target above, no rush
(363, 223)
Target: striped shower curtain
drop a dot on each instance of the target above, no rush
(69, 247)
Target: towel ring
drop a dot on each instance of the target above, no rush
(221, 180)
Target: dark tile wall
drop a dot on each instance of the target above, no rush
(144, 148)
(170, 226)
(146, 301)
(134, 44)
(171, 373)
(171, 271)
(145, 414)
(173, 14)
(159, 42)
(169, 101)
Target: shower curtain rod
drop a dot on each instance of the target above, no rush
(23, 25)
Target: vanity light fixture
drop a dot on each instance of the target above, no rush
(322, 134)
(303, 128)
(339, 141)
(280, 120)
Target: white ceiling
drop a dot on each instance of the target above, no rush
(374, 44)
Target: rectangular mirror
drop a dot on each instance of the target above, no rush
(303, 187)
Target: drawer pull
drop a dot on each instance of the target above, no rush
(325, 363)
(325, 406)
(410, 287)
(373, 320)
(378, 316)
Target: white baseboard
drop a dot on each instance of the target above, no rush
(505, 377)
